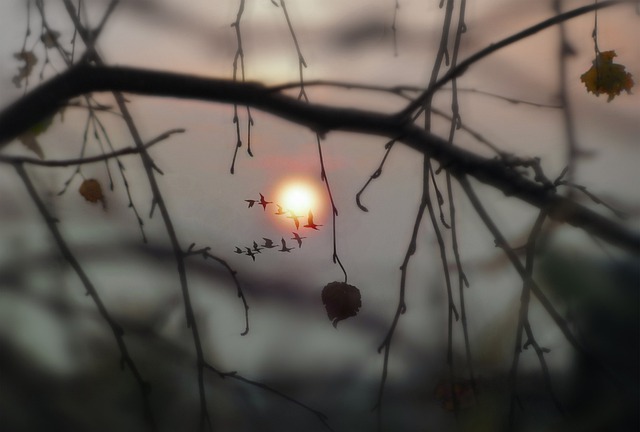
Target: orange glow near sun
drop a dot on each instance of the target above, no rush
(298, 196)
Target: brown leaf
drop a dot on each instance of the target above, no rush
(341, 301)
(30, 60)
(91, 190)
(50, 38)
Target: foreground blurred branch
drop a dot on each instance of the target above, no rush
(46, 99)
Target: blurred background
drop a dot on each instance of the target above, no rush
(59, 362)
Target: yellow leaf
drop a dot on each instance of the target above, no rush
(91, 190)
(608, 77)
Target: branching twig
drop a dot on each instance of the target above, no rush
(302, 64)
(46, 98)
(533, 286)
(564, 52)
(234, 375)
(464, 65)
(206, 254)
(455, 124)
(158, 200)
(524, 313)
(402, 90)
(117, 331)
(236, 119)
(400, 309)
(619, 213)
(377, 173)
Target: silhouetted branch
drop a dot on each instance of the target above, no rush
(400, 309)
(116, 329)
(234, 375)
(402, 90)
(464, 65)
(206, 254)
(302, 64)
(501, 242)
(565, 51)
(157, 200)
(619, 213)
(45, 100)
(89, 159)
(523, 317)
(236, 119)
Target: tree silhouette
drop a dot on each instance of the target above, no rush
(589, 298)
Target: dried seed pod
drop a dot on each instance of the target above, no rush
(341, 301)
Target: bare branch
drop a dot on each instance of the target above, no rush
(91, 159)
(464, 65)
(234, 375)
(116, 329)
(45, 99)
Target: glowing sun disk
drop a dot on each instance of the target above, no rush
(298, 198)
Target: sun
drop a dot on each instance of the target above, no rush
(298, 197)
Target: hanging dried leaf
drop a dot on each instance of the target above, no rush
(91, 190)
(608, 77)
(341, 301)
(24, 71)
(50, 38)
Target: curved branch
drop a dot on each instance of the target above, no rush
(44, 101)
(464, 65)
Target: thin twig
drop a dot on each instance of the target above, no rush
(441, 55)
(323, 172)
(116, 329)
(560, 322)
(523, 314)
(239, 56)
(564, 52)
(234, 375)
(465, 64)
(454, 125)
(400, 309)
(46, 98)
(301, 62)
(158, 201)
(204, 252)
(89, 159)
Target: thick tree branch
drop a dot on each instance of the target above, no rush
(45, 100)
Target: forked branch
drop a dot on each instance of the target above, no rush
(44, 101)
